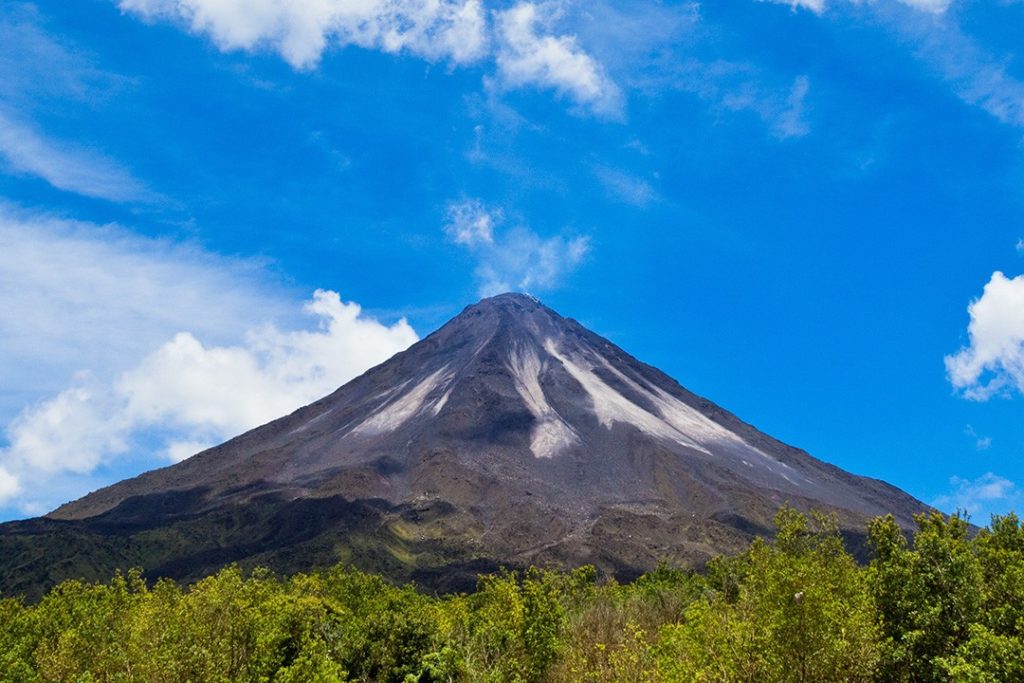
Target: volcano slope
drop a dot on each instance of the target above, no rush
(509, 436)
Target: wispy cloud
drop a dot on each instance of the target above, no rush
(470, 223)
(38, 66)
(992, 362)
(819, 6)
(516, 258)
(64, 165)
(981, 497)
(981, 443)
(816, 6)
(976, 76)
(938, 40)
(783, 113)
(625, 187)
(733, 87)
(39, 73)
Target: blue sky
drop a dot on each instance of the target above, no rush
(810, 212)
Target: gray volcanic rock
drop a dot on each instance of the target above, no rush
(511, 435)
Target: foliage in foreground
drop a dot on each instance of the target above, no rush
(947, 608)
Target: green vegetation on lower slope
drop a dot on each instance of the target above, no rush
(798, 608)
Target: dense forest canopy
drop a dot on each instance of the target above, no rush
(947, 607)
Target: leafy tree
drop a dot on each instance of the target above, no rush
(18, 637)
(379, 632)
(800, 611)
(927, 597)
(85, 629)
(946, 608)
(1000, 551)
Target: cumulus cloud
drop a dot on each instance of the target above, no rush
(186, 395)
(184, 449)
(528, 55)
(9, 486)
(515, 259)
(69, 433)
(988, 494)
(222, 390)
(453, 30)
(993, 361)
(526, 51)
(65, 166)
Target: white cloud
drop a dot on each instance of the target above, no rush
(1020, 246)
(516, 259)
(187, 396)
(789, 122)
(993, 361)
(182, 449)
(66, 166)
(738, 87)
(978, 77)
(526, 51)
(816, 6)
(470, 223)
(525, 261)
(114, 344)
(39, 74)
(453, 30)
(934, 6)
(819, 6)
(784, 114)
(9, 485)
(227, 389)
(529, 56)
(981, 443)
(625, 187)
(38, 67)
(988, 494)
(69, 433)
(81, 296)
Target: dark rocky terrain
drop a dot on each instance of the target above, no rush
(509, 436)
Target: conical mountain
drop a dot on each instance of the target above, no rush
(511, 435)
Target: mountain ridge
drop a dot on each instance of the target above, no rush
(509, 435)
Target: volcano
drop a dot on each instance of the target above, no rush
(510, 436)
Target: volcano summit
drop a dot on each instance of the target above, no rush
(511, 436)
